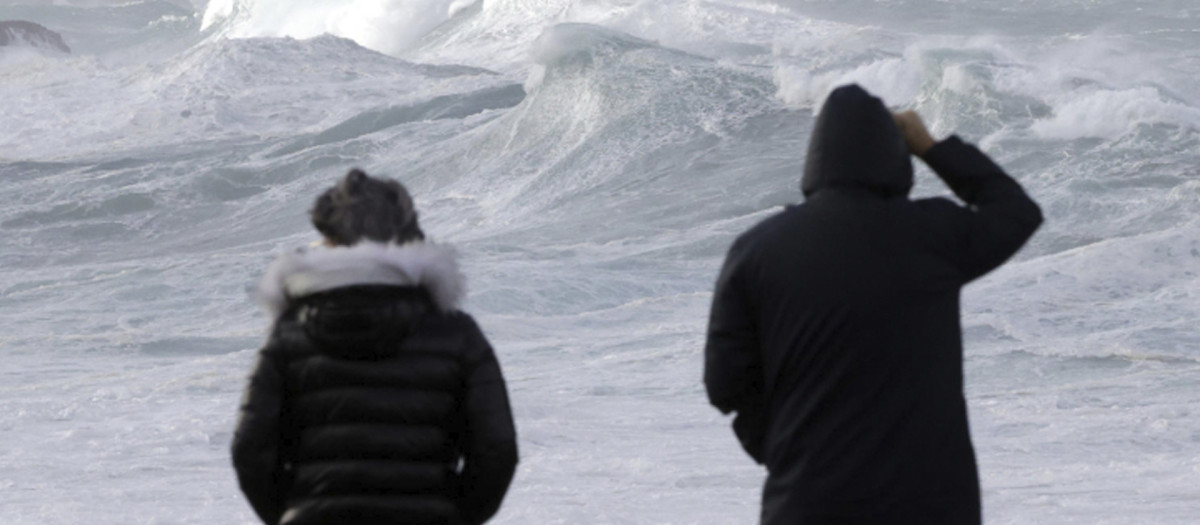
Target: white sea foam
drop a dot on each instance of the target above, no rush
(896, 80)
(1111, 113)
(389, 26)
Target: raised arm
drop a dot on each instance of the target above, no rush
(490, 438)
(1000, 216)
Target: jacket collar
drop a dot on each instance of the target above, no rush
(318, 269)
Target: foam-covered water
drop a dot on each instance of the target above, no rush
(591, 160)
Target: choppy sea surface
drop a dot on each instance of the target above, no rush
(591, 160)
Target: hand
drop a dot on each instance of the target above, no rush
(915, 134)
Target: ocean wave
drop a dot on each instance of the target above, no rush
(1119, 296)
(898, 81)
(389, 26)
(456, 106)
(606, 103)
(218, 90)
(1112, 113)
(582, 42)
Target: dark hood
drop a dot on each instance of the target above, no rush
(856, 144)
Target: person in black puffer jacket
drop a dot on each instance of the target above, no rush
(375, 400)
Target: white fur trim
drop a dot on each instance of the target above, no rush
(309, 271)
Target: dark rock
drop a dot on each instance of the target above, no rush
(19, 32)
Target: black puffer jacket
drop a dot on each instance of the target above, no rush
(374, 401)
(835, 330)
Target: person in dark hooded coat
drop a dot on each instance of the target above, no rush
(834, 333)
(375, 400)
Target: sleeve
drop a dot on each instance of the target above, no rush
(489, 437)
(256, 441)
(999, 216)
(733, 373)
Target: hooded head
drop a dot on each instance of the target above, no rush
(363, 207)
(856, 144)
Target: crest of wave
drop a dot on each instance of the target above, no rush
(388, 26)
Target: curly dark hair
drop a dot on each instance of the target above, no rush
(361, 206)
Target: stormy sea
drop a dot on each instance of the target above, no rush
(591, 161)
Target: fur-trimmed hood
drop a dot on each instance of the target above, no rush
(317, 269)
